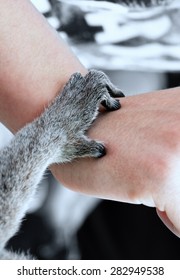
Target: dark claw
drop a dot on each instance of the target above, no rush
(115, 93)
(115, 106)
(102, 151)
(120, 94)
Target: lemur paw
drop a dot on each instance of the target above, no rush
(74, 110)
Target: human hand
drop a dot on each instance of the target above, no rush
(142, 164)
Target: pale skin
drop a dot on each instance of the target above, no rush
(142, 138)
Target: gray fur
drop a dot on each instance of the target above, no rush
(57, 136)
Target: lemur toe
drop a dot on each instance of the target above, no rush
(111, 106)
(101, 151)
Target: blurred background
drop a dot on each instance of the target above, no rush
(138, 46)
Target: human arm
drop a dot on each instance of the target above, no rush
(35, 63)
(142, 164)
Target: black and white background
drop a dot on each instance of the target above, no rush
(139, 48)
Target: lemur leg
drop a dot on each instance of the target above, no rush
(57, 136)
